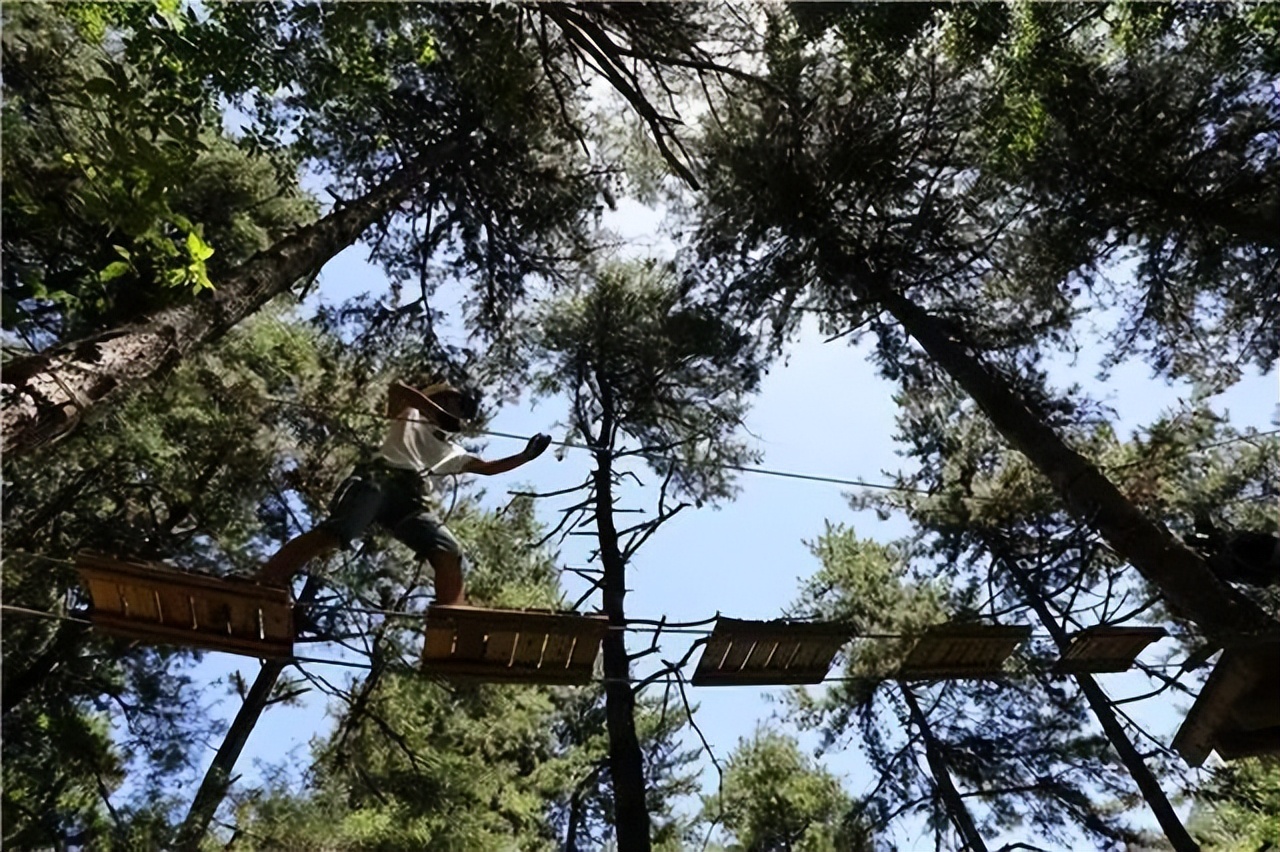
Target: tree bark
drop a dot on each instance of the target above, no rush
(217, 779)
(626, 763)
(942, 776)
(1166, 562)
(1101, 707)
(47, 394)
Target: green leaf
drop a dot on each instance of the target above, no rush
(100, 86)
(113, 271)
(198, 248)
(427, 54)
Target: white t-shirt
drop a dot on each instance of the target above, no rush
(415, 443)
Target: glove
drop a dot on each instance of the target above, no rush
(537, 446)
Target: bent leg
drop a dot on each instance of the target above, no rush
(353, 509)
(448, 568)
(290, 559)
(432, 541)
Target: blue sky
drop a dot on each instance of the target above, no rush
(823, 411)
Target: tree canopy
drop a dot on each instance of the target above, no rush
(991, 200)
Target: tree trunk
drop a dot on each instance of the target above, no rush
(47, 394)
(1101, 707)
(942, 776)
(626, 763)
(213, 789)
(1166, 562)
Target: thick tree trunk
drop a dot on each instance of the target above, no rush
(626, 762)
(1101, 707)
(942, 776)
(46, 395)
(217, 779)
(1183, 577)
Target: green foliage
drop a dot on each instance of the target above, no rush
(774, 799)
(634, 346)
(865, 584)
(417, 763)
(357, 90)
(1127, 180)
(1238, 811)
(119, 192)
(192, 473)
(1021, 746)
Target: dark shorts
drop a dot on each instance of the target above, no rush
(392, 498)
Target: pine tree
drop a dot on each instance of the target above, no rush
(640, 360)
(855, 186)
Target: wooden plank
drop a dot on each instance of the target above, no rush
(1256, 711)
(761, 655)
(558, 651)
(439, 642)
(169, 635)
(1231, 713)
(529, 647)
(488, 673)
(962, 650)
(277, 621)
(785, 657)
(713, 654)
(585, 650)
(92, 565)
(812, 654)
(1107, 649)
(1233, 745)
(139, 601)
(739, 648)
(768, 652)
(501, 647)
(159, 603)
(517, 619)
(514, 645)
(104, 594)
(469, 643)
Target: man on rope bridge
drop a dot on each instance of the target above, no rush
(391, 489)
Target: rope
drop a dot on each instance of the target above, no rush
(630, 627)
(763, 471)
(40, 613)
(673, 677)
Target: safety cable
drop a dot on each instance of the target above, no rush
(633, 625)
(670, 678)
(644, 626)
(747, 468)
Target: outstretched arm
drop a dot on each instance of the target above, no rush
(401, 397)
(536, 446)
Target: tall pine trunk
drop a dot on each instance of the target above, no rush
(218, 777)
(47, 394)
(955, 805)
(1150, 788)
(626, 762)
(1180, 574)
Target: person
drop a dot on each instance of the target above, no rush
(391, 489)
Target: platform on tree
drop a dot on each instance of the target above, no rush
(762, 653)
(1237, 713)
(512, 645)
(954, 651)
(1106, 649)
(157, 603)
